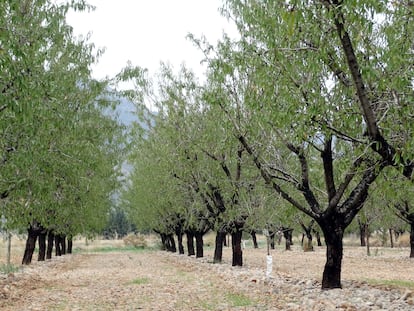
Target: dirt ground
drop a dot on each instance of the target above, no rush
(155, 280)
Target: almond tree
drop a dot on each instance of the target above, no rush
(60, 147)
(297, 68)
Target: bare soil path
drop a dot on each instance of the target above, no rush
(155, 280)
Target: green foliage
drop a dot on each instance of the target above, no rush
(118, 224)
(60, 148)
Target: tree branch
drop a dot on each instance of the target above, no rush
(344, 185)
(269, 181)
(304, 186)
(328, 170)
(379, 144)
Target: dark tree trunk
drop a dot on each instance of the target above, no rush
(318, 238)
(362, 232)
(190, 243)
(199, 244)
(58, 250)
(254, 238)
(272, 239)
(391, 237)
(367, 236)
(333, 234)
(287, 233)
(163, 241)
(236, 237)
(412, 239)
(50, 239)
(180, 243)
(308, 232)
(279, 237)
(32, 234)
(42, 246)
(171, 243)
(70, 245)
(218, 249)
(63, 244)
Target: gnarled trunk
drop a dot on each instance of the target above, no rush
(218, 249)
(287, 234)
(32, 234)
(180, 243)
(190, 243)
(70, 245)
(58, 246)
(63, 244)
(50, 239)
(363, 226)
(254, 238)
(318, 238)
(236, 237)
(42, 246)
(199, 244)
(272, 239)
(333, 234)
(171, 247)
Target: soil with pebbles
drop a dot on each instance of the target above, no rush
(155, 280)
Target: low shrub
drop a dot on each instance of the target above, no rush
(404, 240)
(135, 240)
(8, 268)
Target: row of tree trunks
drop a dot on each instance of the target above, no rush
(37, 232)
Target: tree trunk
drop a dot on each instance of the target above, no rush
(226, 243)
(63, 244)
(58, 250)
(367, 235)
(236, 237)
(287, 233)
(42, 246)
(190, 243)
(180, 243)
(70, 244)
(254, 238)
(199, 244)
(362, 232)
(30, 245)
(218, 249)
(50, 239)
(412, 239)
(171, 243)
(9, 237)
(333, 234)
(272, 239)
(318, 238)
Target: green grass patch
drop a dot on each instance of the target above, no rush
(239, 300)
(140, 281)
(6, 269)
(393, 283)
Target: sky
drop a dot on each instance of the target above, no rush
(147, 32)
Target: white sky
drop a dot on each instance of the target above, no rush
(147, 32)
